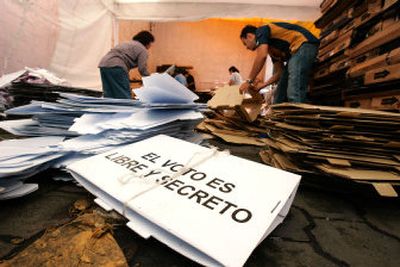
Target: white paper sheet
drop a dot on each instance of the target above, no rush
(162, 88)
(21, 191)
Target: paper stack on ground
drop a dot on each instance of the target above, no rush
(23, 158)
(38, 84)
(208, 205)
(95, 125)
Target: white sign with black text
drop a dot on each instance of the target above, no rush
(210, 206)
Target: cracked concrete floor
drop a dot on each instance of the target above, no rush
(323, 228)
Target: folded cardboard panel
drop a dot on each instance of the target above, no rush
(374, 5)
(385, 189)
(391, 102)
(358, 103)
(327, 4)
(333, 12)
(338, 48)
(337, 42)
(248, 106)
(349, 26)
(390, 58)
(322, 72)
(391, 33)
(360, 8)
(364, 18)
(389, 3)
(329, 38)
(355, 144)
(340, 65)
(383, 74)
(375, 8)
(226, 97)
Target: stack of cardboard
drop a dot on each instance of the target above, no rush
(247, 106)
(355, 144)
(359, 55)
(234, 117)
(233, 129)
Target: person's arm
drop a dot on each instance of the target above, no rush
(232, 79)
(142, 64)
(259, 61)
(278, 69)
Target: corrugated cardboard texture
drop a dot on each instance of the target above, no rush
(353, 144)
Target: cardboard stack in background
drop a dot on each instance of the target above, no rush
(359, 55)
(234, 117)
(354, 144)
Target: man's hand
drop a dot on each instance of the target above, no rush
(246, 86)
(260, 85)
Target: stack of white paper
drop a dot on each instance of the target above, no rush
(10, 189)
(97, 113)
(21, 158)
(210, 206)
(94, 125)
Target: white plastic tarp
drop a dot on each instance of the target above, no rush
(85, 36)
(163, 10)
(86, 28)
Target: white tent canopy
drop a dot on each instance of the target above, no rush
(77, 33)
(162, 10)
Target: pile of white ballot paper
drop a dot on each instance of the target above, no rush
(77, 126)
(210, 206)
(140, 159)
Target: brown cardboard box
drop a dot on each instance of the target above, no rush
(390, 58)
(334, 44)
(389, 3)
(393, 56)
(389, 22)
(335, 11)
(339, 47)
(391, 33)
(390, 102)
(329, 38)
(349, 26)
(358, 103)
(326, 5)
(358, 21)
(340, 65)
(374, 6)
(321, 72)
(384, 74)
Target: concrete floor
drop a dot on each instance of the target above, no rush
(335, 227)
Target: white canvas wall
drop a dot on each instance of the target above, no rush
(70, 37)
(85, 36)
(166, 10)
(28, 33)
